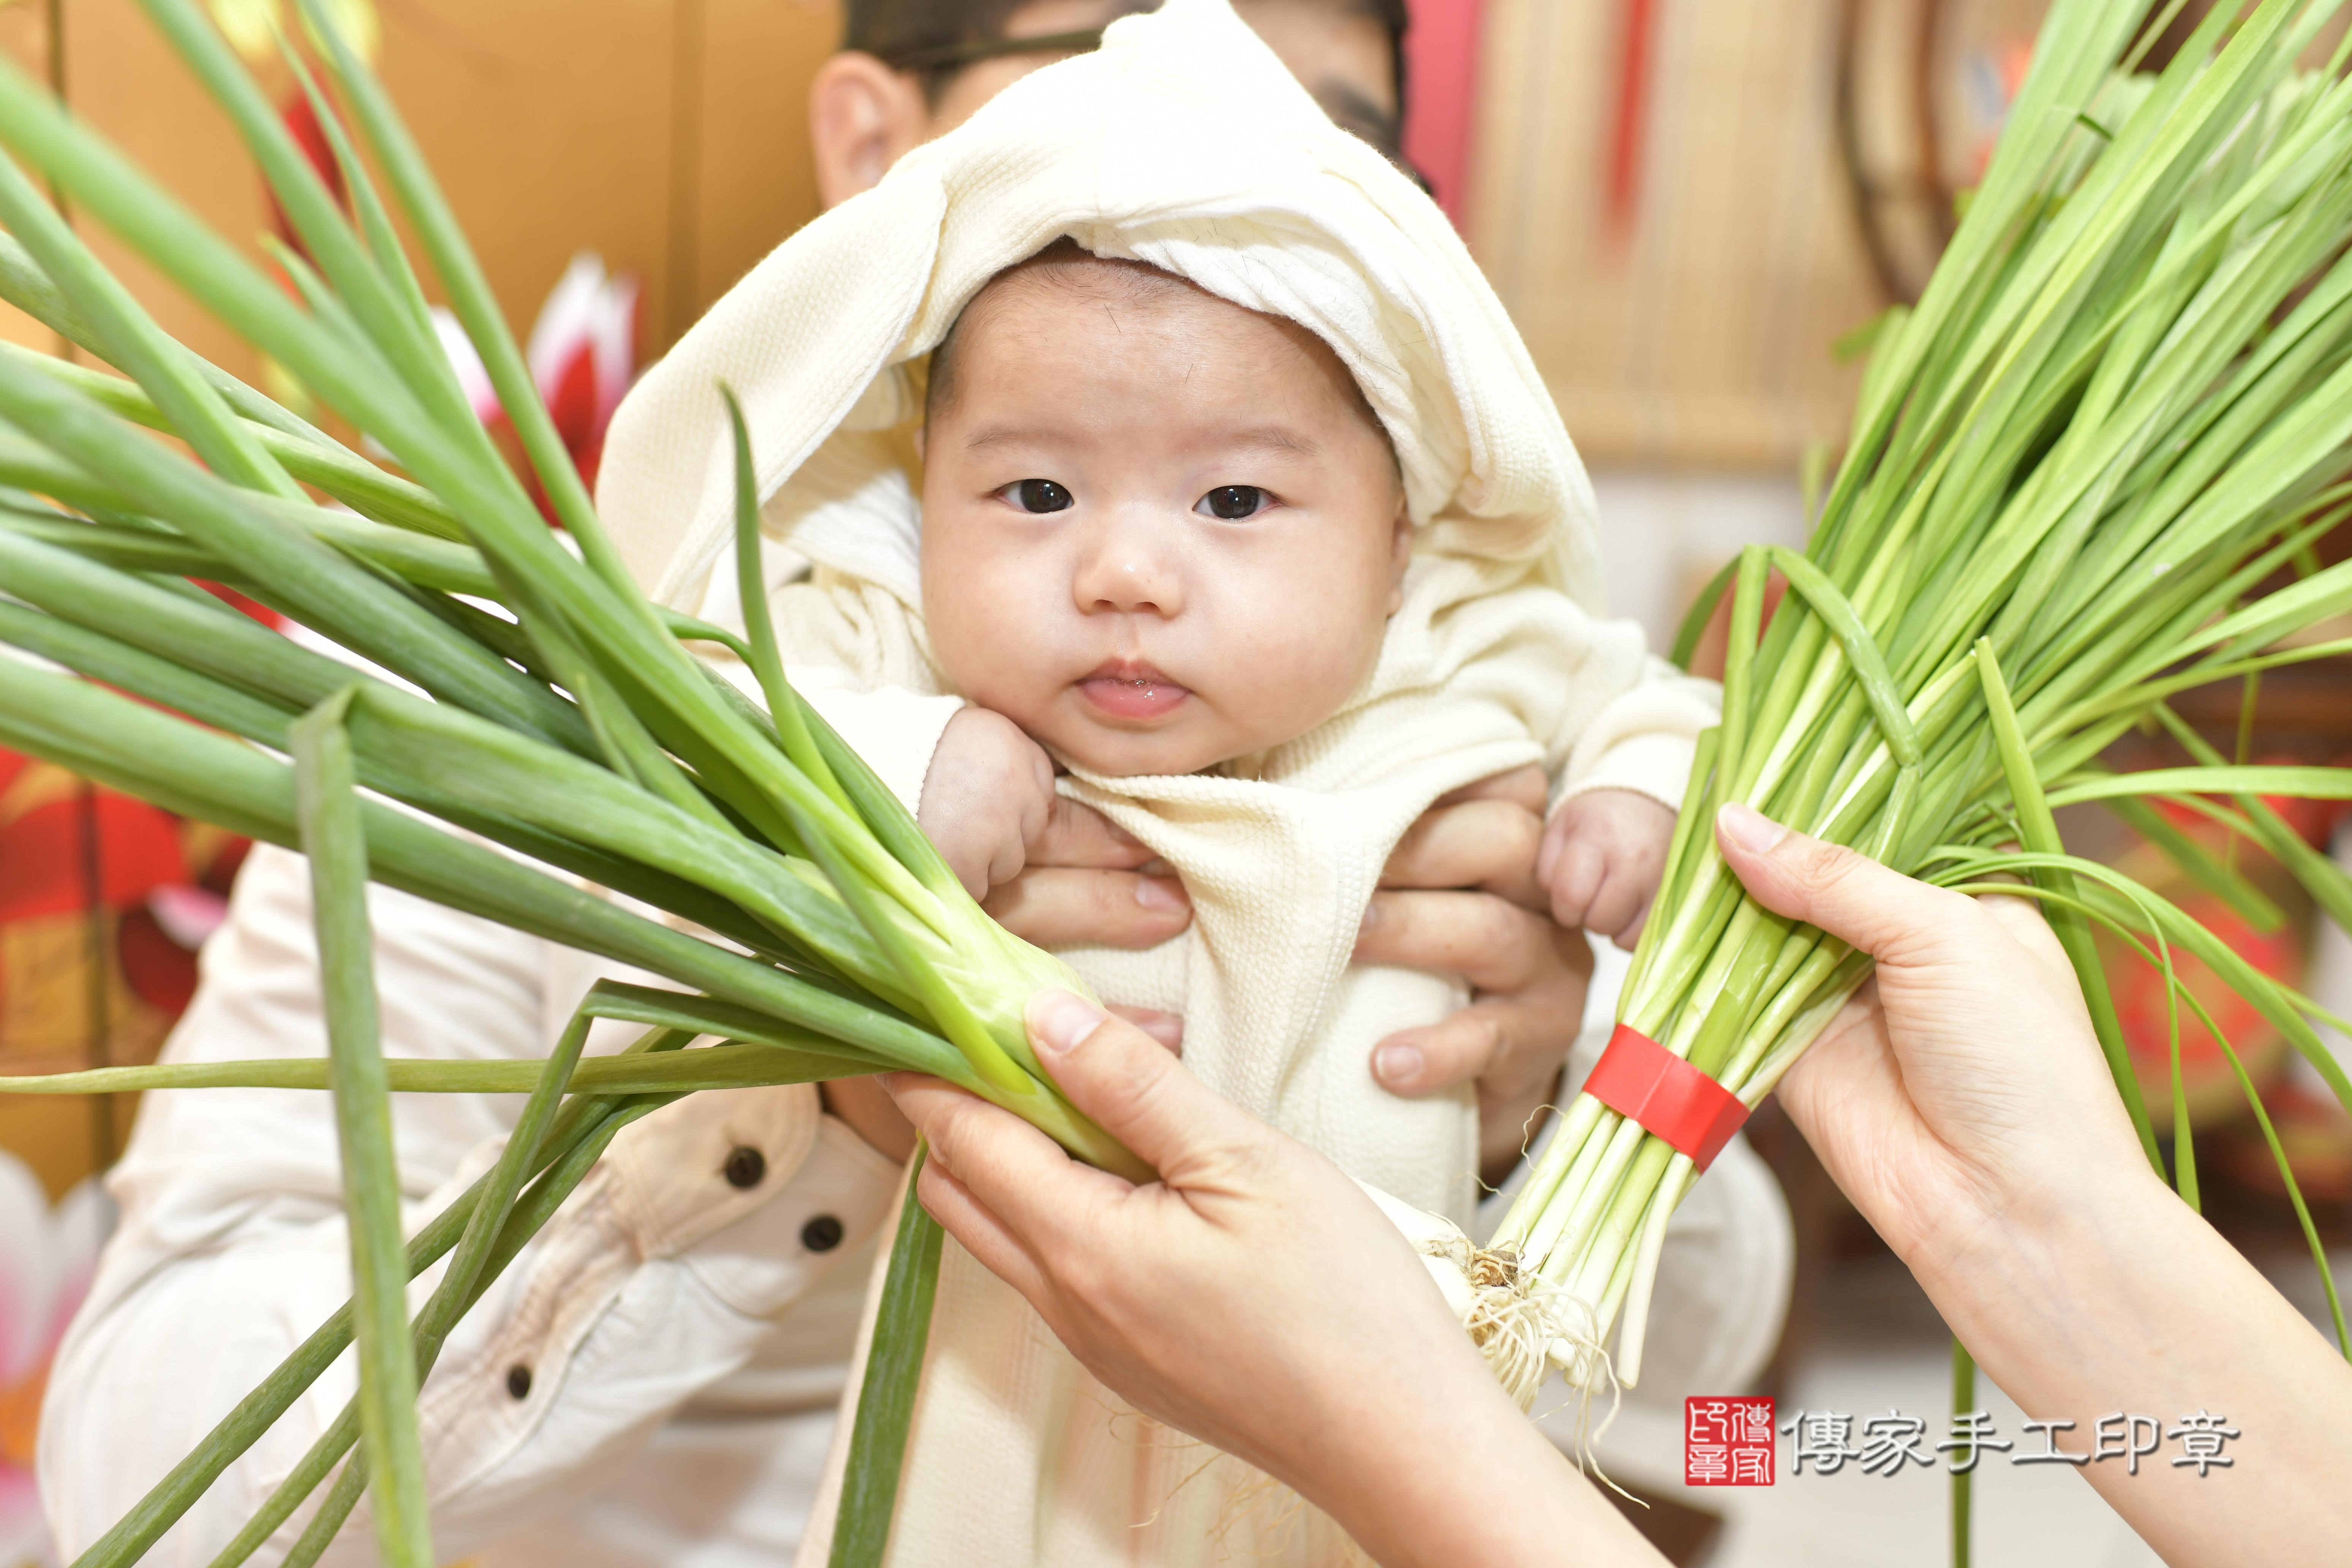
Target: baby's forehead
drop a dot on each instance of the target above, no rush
(1065, 287)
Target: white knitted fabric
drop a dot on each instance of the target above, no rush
(1185, 143)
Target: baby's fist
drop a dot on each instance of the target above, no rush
(1602, 859)
(986, 798)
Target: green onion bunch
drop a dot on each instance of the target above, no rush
(515, 727)
(2078, 472)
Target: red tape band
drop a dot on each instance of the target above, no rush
(1639, 1077)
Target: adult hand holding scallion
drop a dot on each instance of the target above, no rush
(1258, 1301)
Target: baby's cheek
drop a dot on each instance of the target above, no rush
(1321, 671)
(966, 609)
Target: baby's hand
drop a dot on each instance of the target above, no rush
(986, 798)
(1602, 859)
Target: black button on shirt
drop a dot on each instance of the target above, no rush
(745, 1166)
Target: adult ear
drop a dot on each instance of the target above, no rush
(863, 118)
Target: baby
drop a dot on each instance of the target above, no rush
(1165, 545)
(1163, 532)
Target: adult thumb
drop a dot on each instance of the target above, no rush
(1892, 917)
(1129, 1084)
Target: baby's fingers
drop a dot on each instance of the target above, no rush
(1008, 857)
(1578, 871)
(1618, 904)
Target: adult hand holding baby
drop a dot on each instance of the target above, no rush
(1461, 895)
(1516, 898)
(1053, 872)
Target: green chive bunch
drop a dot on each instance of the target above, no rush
(2117, 417)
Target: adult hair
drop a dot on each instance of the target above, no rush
(914, 35)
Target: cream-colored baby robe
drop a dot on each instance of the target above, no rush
(1183, 142)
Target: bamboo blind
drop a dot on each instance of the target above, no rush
(1686, 317)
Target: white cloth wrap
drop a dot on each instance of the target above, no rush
(1183, 142)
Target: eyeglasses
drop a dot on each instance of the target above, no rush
(969, 51)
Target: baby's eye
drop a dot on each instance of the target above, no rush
(1233, 503)
(1036, 495)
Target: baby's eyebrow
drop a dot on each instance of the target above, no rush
(1001, 435)
(1272, 437)
(1276, 437)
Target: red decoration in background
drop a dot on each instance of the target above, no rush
(162, 906)
(1629, 126)
(2140, 996)
(163, 884)
(1441, 88)
(236, 601)
(2138, 987)
(42, 869)
(302, 124)
(581, 355)
(582, 351)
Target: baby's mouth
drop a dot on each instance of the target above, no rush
(1134, 692)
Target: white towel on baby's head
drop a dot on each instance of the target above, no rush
(1185, 143)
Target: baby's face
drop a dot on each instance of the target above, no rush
(1159, 530)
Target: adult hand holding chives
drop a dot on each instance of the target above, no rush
(1961, 1102)
(1255, 1298)
(1964, 1084)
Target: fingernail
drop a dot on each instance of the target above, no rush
(1372, 918)
(1163, 895)
(1397, 1064)
(1058, 1021)
(1749, 827)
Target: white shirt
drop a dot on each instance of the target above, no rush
(661, 1299)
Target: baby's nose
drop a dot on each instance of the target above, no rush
(1125, 570)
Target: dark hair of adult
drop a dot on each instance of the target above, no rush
(934, 39)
